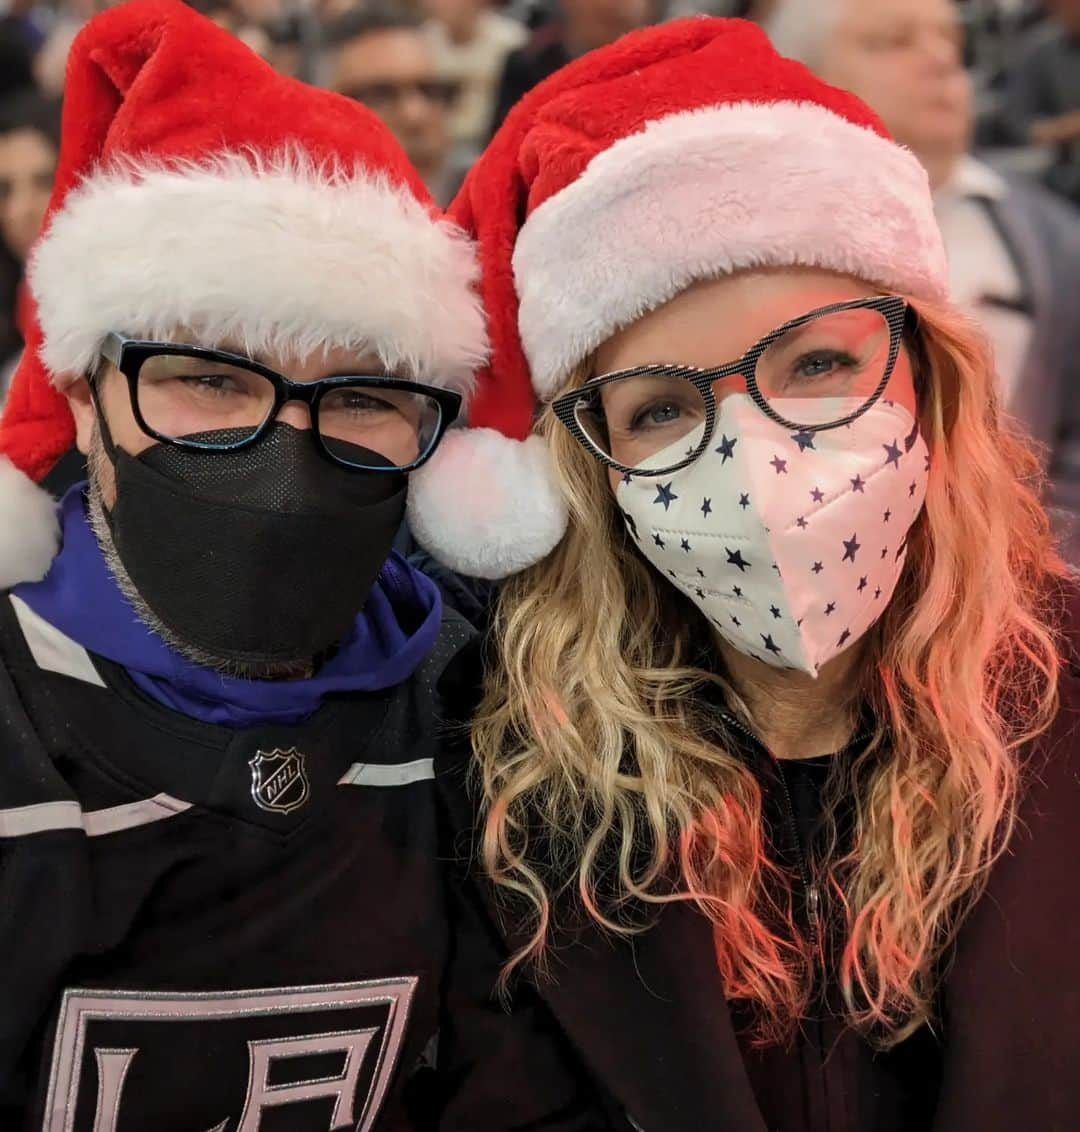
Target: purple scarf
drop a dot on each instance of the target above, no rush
(79, 596)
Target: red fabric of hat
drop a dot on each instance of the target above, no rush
(682, 152)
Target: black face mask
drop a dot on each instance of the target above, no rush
(262, 555)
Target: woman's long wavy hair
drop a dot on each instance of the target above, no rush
(603, 781)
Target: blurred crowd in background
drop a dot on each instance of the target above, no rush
(985, 92)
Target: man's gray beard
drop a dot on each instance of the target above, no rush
(229, 666)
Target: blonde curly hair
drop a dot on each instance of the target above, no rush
(603, 777)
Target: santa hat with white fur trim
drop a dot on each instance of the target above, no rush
(680, 153)
(198, 188)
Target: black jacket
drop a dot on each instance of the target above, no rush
(527, 66)
(651, 1027)
(204, 927)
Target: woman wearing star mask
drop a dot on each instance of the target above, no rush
(774, 777)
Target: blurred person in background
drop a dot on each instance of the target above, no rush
(50, 63)
(29, 142)
(471, 41)
(382, 58)
(16, 56)
(584, 25)
(1014, 249)
(1042, 96)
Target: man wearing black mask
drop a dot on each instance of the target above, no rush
(221, 881)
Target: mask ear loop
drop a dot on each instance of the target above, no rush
(104, 431)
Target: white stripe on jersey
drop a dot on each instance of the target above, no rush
(388, 774)
(51, 649)
(19, 821)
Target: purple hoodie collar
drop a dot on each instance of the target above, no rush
(79, 596)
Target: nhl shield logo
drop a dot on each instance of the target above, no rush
(279, 782)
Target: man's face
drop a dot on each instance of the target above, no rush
(903, 58)
(27, 167)
(594, 23)
(393, 72)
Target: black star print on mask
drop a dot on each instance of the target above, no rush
(658, 540)
(877, 593)
(744, 501)
(779, 465)
(629, 520)
(851, 548)
(700, 592)
(735, 619)
(665, 495)
(706, 507)
(894, 454)
(863, 583)
(701, 573)
(801, 523)
(736, 591)
(858, 483)
(804, 440)
(817, 495)
(817, 568)
(770, 644)
(829, 608)
(887, 516)
(736, 559)
(727, 449)
(843, 637)
(911, 490)
(884, 551)
(774, 611)
(686, 545)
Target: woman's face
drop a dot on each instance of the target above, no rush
(27, 167)
(717, 321)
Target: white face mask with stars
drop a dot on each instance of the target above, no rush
(790, 543)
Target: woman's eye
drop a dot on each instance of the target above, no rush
(657, 414)
(821, 363)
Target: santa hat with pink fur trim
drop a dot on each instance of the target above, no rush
(680, 153)
(198, 188)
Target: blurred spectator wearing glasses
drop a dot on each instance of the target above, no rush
(1042, 97)
(471, 42)
(382, 58)
(1014, 249)
(29, 141)
(583, 25)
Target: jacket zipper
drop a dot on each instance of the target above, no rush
(811, 893)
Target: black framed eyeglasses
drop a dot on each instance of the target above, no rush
(817, 372)
(217, 401)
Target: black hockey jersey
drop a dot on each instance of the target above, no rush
(210, 928)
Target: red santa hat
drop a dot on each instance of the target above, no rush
(196, 187)
(680, 153)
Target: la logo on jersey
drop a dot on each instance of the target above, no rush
(279, 781)
(299, 1058)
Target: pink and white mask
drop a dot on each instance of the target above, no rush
(790, 543)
